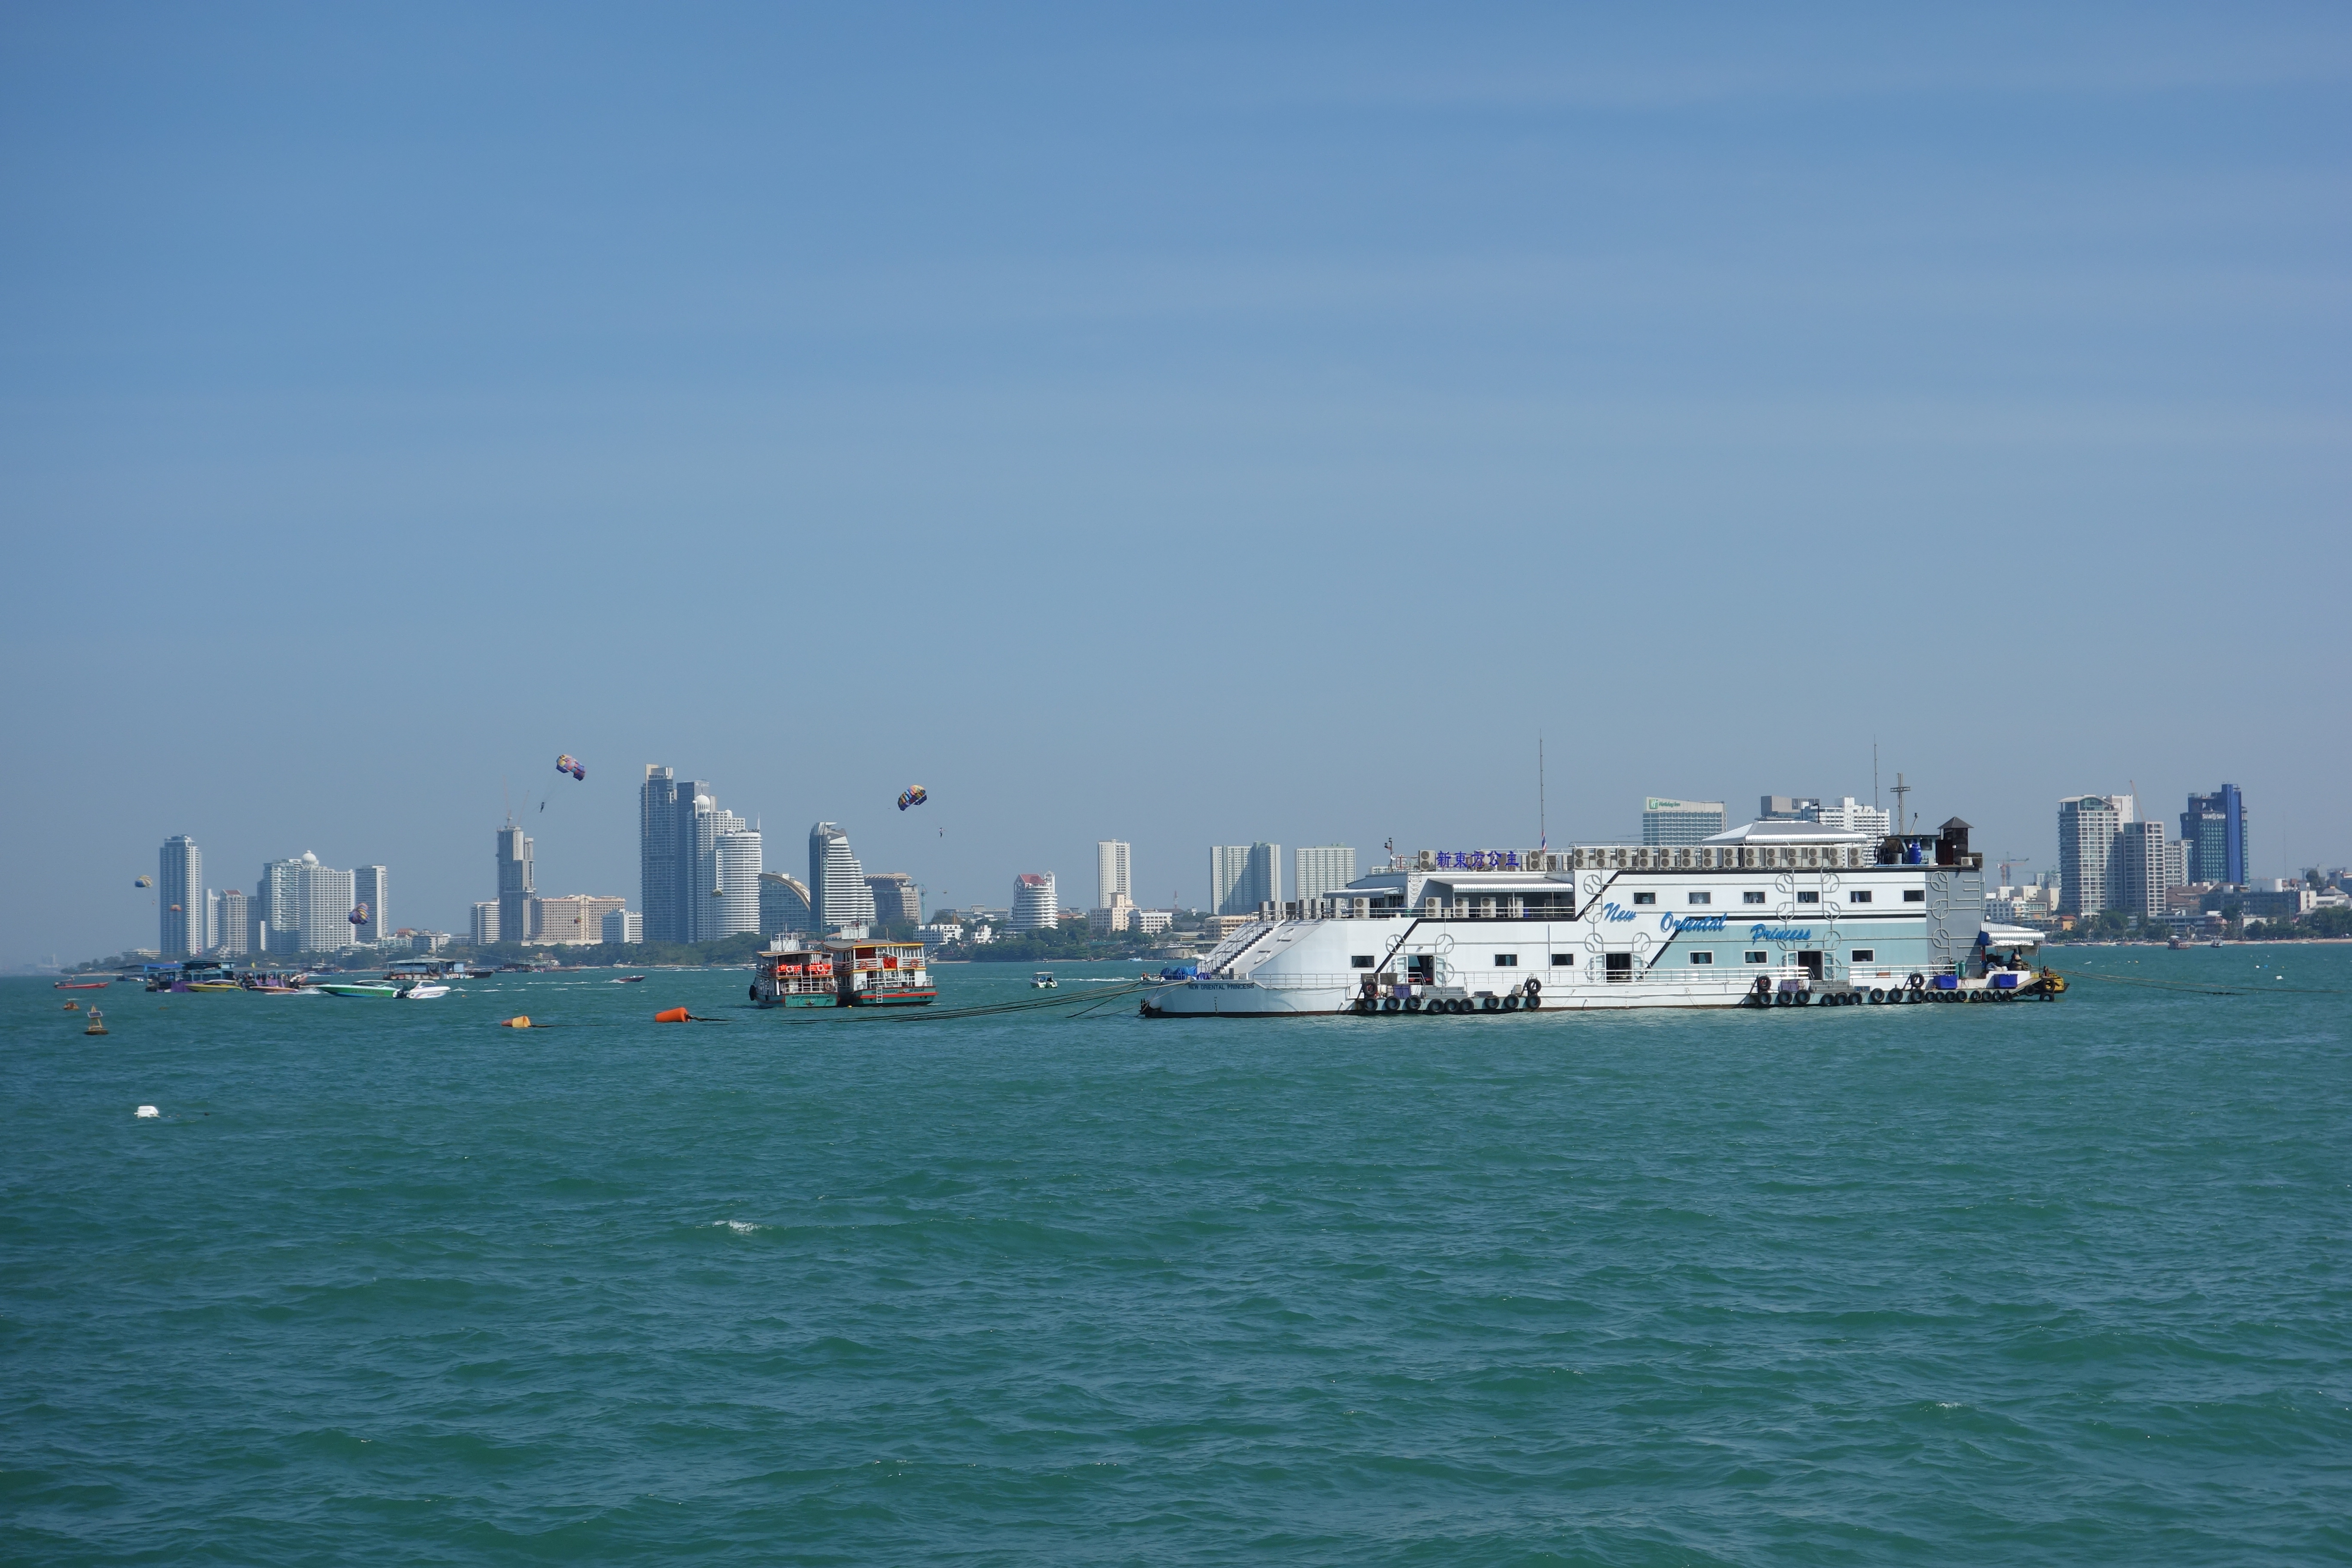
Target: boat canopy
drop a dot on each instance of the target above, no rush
(1993, 935)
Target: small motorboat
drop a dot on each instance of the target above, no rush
(375, 990)
(424, 992)
(1044, 981)
(626, 979)
(81, 985)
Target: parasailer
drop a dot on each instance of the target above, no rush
(568, 763)
(175, 909)
(913, 794)
(359, 915)
(144, 882)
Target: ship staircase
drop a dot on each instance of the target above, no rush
(1234, 948)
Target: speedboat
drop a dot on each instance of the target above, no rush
(424, 992)
(81, 985)
(375, 989)
(1043, 980)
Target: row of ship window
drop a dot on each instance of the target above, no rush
(1857, 896)
(1698, 955)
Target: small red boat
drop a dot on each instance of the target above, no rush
(81, 985)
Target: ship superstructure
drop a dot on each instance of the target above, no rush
(1771, 914)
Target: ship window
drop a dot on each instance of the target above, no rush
(1646, 898)
(1506, 961)
(1808, 897)
(1702, 898)
(1361, 961)
(1563, 961)
(1751, 898)
(1915, 895)
(1859, 896)
(1702, 956)
(1866, 956)
(1756, 957)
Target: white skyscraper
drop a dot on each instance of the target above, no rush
(837, 891)
(180, 898)
(2088, 826)
(1318, 871)
(1111, 874)
(1243, 876)
(212, 919)
(236, 924)
(371, 886)
(484, 930)
(326, 898)
(1035, 907)
(737, 905)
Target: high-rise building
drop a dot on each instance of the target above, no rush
(665, 824)
(783, 905)
(1787, 808)
(180, 898)
(277, 907)
(327, 900)
(1680, 821)
(212, 919)
(735, 904)
(838, 896)
(2087, 827)
(1321, 869)
(484, 927)
(896, 900)
(1243, 876)
(2138, 869)
(1111, 873)
(2176, 864)
(516, 883)
(624, 927)
(1850, 815)
(370, 887)
(2214, 829)
(236, 924)
(1034, 904)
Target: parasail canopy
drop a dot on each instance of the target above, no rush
(568, 763)
(913, 794)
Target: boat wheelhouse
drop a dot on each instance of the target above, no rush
(795, 976)
(1771, 914)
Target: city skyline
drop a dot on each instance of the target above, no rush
(1622, 305)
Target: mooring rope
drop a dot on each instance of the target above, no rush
(1086, 1004)
(2192, 986)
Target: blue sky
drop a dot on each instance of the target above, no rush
(1187, 426)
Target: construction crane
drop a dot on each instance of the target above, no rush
(2006, 862)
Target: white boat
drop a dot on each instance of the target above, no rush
(1774, 914)
(427, 992)
(1044, 981)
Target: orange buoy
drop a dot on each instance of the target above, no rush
(518, 1022)
(673, 1016)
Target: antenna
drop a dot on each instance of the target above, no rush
(1875, 804)
(1543, 828)
(1900, 790)
(505, 801)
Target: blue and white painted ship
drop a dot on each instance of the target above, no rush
(1771, 914)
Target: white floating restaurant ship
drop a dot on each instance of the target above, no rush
(1773, 914)
(843, 972)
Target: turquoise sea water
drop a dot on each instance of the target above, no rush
(2032, 1284)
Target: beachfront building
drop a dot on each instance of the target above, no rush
(371, 888)
(1243, 876)
(1034, 904)
(1320, 869)
(1113, 876)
